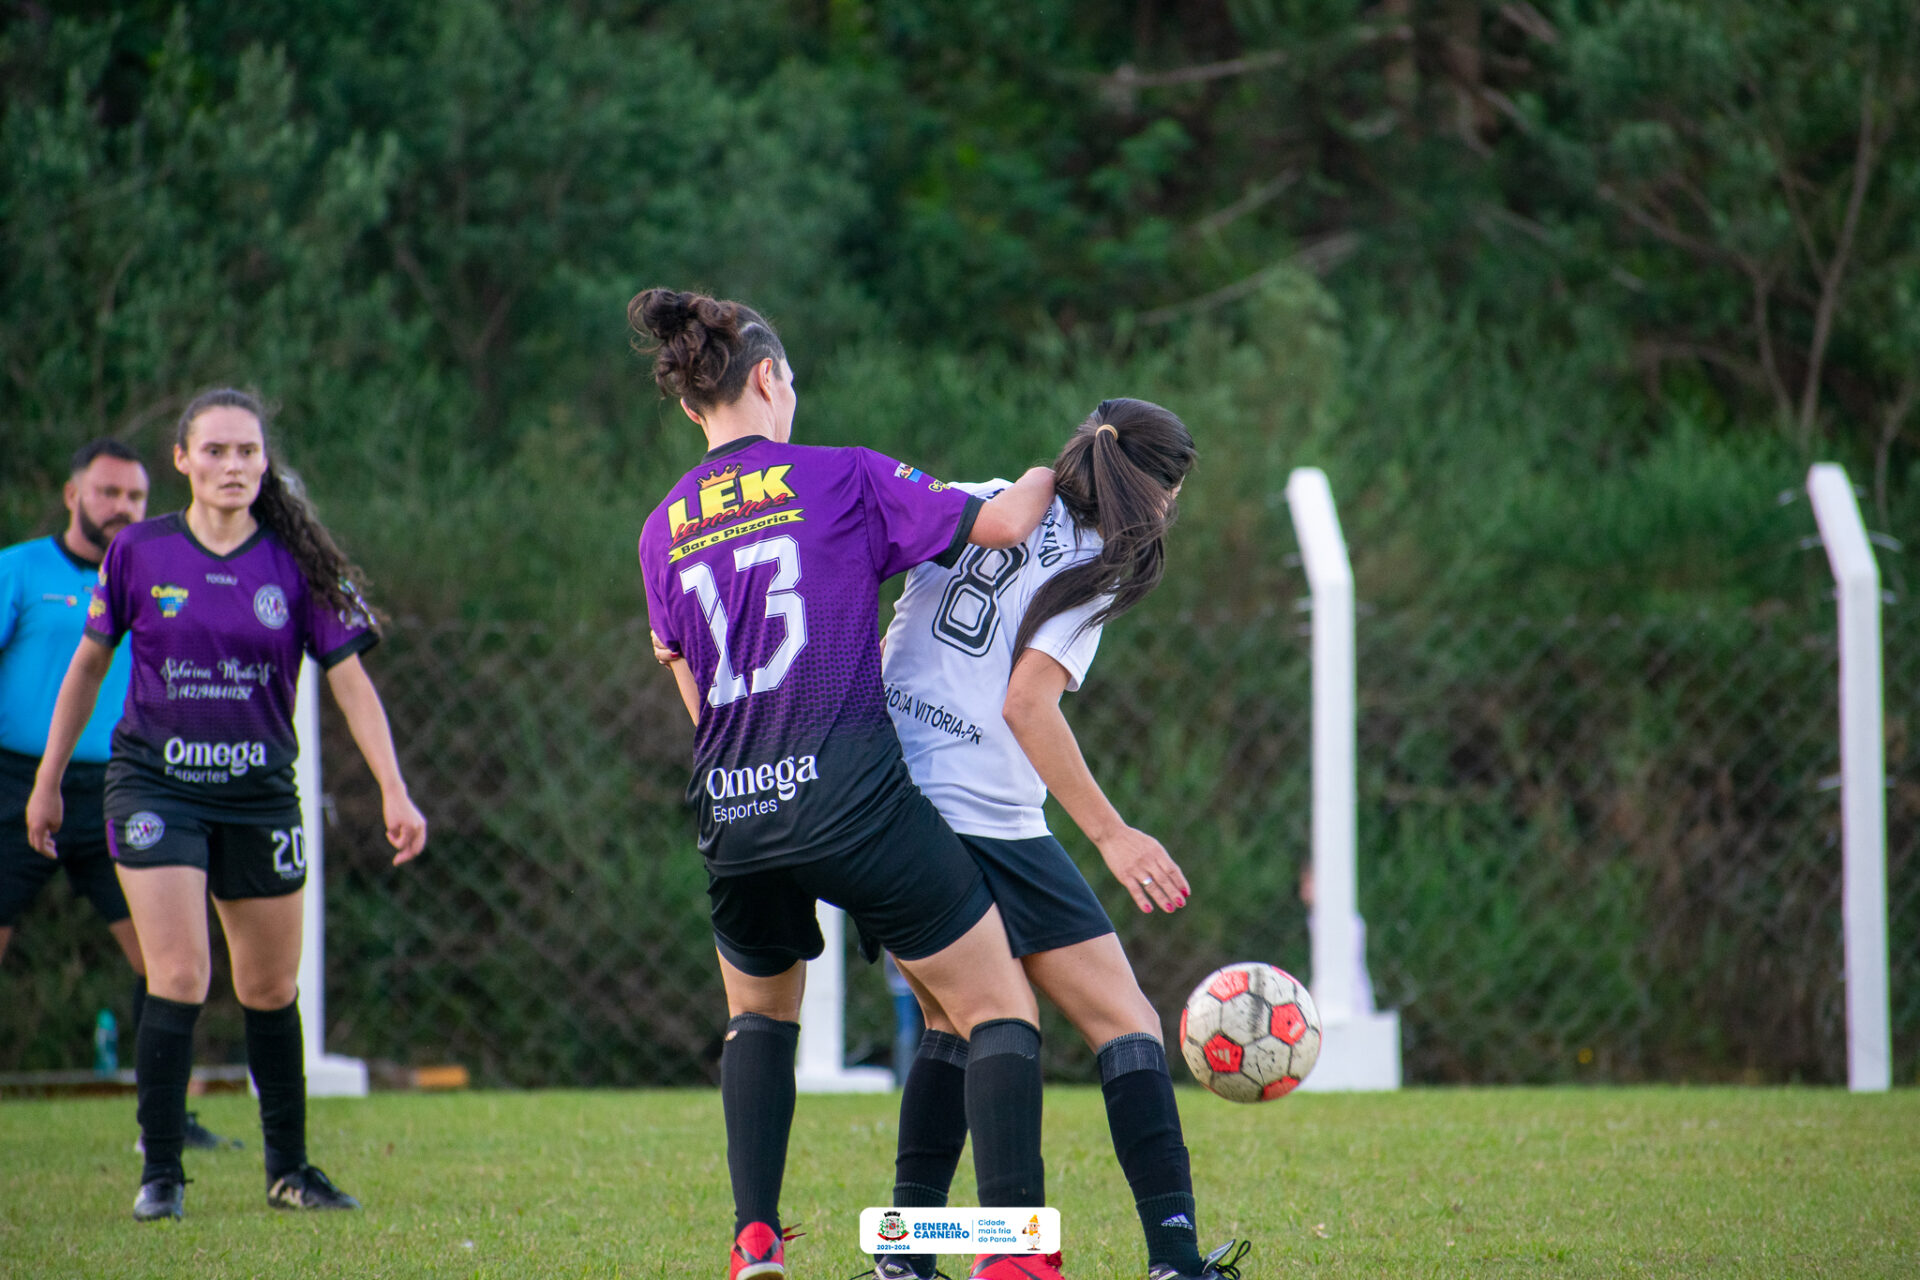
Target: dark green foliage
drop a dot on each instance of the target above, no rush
(1562, 296)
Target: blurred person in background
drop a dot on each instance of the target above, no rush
(222, 602)
(45, 585)
(978, 656)
(762, 569)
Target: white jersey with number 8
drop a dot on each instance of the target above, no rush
(949, 654)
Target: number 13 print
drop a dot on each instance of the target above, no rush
(782, 602)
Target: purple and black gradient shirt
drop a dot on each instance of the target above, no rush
(217, 642)
(763, 568)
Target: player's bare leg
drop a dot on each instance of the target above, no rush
(168, 907)
(129, 939)
(263, 943)
(1093, 984)
(976, 979)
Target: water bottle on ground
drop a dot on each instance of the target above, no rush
(106, 1044)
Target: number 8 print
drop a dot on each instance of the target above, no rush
(970, 607)
(782, 602)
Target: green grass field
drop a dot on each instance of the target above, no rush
(1496, 1182)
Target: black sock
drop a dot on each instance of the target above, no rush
(132, 1033)
(933, 1129)
(933, 1122)
(276, 1055)
(1153, 1153)
(756, 1094)
(163, 1063)
(1003, 1113)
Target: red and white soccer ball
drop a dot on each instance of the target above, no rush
(1250, 1032)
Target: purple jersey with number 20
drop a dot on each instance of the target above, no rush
(762, 569)
(217, 643)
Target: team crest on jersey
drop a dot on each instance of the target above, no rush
(270, 606)
(172, 599)
(732, 503)
(96, 609)
(914, 475)
(144, 830)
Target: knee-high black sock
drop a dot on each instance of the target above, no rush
(1003, 1112)
(933, 1129)
(276, 1055)
(139, 1008)
(1153, 1153)
(756, 1094)
(933, 1122)
(163, 1062)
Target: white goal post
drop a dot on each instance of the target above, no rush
(822, 1065)
(328, 1075)
(1863, 778)
(1360, 1046)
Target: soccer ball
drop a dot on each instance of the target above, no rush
(1250, 1032)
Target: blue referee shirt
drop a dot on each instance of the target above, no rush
(44, 592)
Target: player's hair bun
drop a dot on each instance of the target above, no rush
(697, 343)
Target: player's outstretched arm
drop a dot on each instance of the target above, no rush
(79, 690)
(359, 702)
(1010, 516)
(1032, 712)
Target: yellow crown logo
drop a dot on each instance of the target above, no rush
(720, 477)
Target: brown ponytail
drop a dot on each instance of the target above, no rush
(282, 507)
(1116, 474)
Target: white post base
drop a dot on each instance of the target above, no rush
(1358, 1055)
(331, 1076)
(845, 1080)
(821, 1067)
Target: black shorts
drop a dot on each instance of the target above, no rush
(1044, 901)
(910, 888)
(251, 858)
(81, 841)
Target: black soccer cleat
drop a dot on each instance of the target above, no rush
(201, 1138)
(1221, 1264)
(161, 1198)
(901, 1267)
(307, 1188)
(198, 1138)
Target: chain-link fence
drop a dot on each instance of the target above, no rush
(1588, 850)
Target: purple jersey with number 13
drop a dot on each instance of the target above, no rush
(217, 642)
(762, 569)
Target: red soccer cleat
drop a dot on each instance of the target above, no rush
(757, 1251)
(1016, 1266)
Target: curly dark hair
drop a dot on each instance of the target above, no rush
(282, 507)
(703, 348)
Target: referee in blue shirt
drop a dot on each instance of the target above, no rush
(45, 586)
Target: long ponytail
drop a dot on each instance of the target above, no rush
(1116, 474)
(282, 507)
